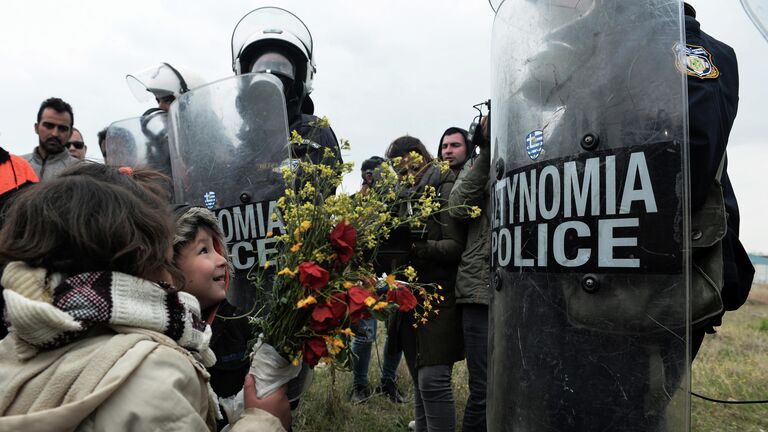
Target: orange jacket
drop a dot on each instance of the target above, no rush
(15, 172)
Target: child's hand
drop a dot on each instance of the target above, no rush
(275, 404)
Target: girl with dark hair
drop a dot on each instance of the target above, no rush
(99, 338)
(431, 349)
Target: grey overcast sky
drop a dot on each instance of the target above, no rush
(385, 68)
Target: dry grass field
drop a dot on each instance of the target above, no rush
(732, 365)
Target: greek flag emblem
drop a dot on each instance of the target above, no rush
(210, 200)
(534, 143)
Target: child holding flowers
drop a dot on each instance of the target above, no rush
(431, 346)
(100, 339)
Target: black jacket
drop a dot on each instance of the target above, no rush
(712, 104)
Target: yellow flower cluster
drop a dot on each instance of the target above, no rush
(444, 166)
(335, 345)
(410, 273)
(310, 300)
(321, 123)
(296, 138)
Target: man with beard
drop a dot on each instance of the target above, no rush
(54, 128)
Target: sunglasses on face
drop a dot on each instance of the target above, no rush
(51, 126)
(78, 144)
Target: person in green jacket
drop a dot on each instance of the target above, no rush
(472, 188)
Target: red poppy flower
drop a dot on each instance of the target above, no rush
(343, 238)
(314, 350)
(313, 276)
(327, 315)
(358, 309)
(403, 296)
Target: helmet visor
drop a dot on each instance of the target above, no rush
(269, 20)
(155, 82)
(275, 64)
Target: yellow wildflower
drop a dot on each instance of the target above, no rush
(320, 123)
(295, 248)
(296, 138)
(295, 361)
(270, 234)
(391, 281)
(347, 331)
(286, 272)
(410, 273)
(444, 166)
(301, 304)
(475, 212)
(267, 264)
(380, 306)
(305, 226)
(348, 284)
(370, 301)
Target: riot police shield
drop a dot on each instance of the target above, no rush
(229, 140)
(589, 315)
(139, 142)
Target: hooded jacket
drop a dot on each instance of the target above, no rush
(472, 188)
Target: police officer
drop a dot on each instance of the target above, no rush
(164, 82)
(284, 48)
(713, 97)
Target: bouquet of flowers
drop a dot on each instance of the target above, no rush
(321, 281)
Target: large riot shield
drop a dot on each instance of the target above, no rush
(229, 140)
(589, 311)
(139, 142)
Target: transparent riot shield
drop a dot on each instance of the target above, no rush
(589, 310)
(757, 11)
(229, 141)
(139, 142)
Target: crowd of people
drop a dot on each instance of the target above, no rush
(132, 311)
(123, 323)
(102, 286)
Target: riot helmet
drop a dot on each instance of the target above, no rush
(163, 82)
(266, 40)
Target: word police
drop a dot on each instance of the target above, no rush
(595, 213)
(249, 231)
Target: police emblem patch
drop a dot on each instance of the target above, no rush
(534, 144)
(698, 61)
(209, 198)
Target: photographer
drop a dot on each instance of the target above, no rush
(472, 188)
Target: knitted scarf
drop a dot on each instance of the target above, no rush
(47, 311)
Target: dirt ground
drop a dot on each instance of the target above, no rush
(759, 293)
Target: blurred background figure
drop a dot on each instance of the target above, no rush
(75, 145)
